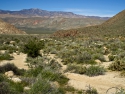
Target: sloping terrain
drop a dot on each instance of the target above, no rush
(114, 26)
(42, 21)
(6, 28)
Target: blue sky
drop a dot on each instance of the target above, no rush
(101, 8)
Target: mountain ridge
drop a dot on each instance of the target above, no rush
(115, 26)
(35, 12)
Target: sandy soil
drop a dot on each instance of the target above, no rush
(102, 83)
(19, 61)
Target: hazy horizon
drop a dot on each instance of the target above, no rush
(102, 8)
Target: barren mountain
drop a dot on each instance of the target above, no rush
(113, 26)
(34, 12)
(37, 20)
(6, 28)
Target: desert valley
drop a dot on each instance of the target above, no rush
(55, 52)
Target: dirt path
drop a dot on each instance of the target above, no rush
(102, 83)
(19, 61)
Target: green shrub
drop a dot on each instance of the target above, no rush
(5, 56)
(42, 86)
(49, 74)
(95, 71)
(4, 88)
(122, 73)
(33, 47)
(11, 88)
(99, 56)
(91, 90)
(62, 80)
(2, 77)
(11, 67)
(76, 68)
(117, 65)
(111, 57)
(33, 72)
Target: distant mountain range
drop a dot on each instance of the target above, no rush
(115, 26)
(42, 21)
(34, 12)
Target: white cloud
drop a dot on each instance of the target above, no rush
(91, 12)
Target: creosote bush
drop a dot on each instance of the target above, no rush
(90, 71)
(5, 56)
(95, 71)
(117, 65)
(11, 67)
(33, 47)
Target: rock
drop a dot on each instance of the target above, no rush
(2, 51)
(27, 88)
(9, 74)
(12, 42)
(98, 61)
(16, 80)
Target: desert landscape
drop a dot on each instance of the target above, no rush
(60, 52)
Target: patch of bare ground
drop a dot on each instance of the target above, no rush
(19, 61)
(102, 82)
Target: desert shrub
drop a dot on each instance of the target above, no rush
(99, 56)
(117, 65)
(10, 87)
(117, 90)
(95, 70)
(11, 67)
(16, 87)
(49, 74)
(4, 88)
(53, 51)
(33, 47)
(42, 86)
(82, 58)
(33, 72)
(5, 56)
(122, 73)
(70, 89)
(91, 90)
(111, 57)
(76, 68)
(62, 80)
(54, 64)
(2, 77)
(121, 55)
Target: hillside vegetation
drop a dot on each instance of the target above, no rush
(6, 28)
(112, 27)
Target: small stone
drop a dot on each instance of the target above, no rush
(16, 80)
(27, 88)
(98, 61)
(9, 74)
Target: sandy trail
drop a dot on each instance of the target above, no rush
(19, 61)
(102, 83)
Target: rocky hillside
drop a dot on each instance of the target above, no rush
(115, 26)
(6, 28)
(42, 21)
